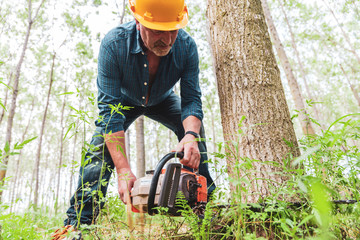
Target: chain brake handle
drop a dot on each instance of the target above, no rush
(167, 198)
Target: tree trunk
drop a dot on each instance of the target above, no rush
(301, 65)
(6, 98)
(209, 104)
(18, 162)
(352, 87)
(157, 146)
(140, 147)
(41, 134)
(72, 166)
(347, 39)
(16, 88)
(294, 87)
(61, 149)
(127, 145)
(249, 85)
(122, 14)
(170, 146)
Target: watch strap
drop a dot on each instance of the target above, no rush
(194, 134)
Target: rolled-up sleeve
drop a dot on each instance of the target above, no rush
(190, 90)
(109, 88)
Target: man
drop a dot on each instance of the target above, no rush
(139, 64)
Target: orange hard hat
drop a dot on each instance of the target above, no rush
(164, 15)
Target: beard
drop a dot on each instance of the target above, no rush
(160, 49)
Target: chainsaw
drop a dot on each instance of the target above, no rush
(160, 187)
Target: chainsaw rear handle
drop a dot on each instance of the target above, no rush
(155, 178)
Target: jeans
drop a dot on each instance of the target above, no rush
(96, 171)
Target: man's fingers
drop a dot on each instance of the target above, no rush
(125, 184)
(191, 159)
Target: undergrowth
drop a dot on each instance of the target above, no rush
(303, 207)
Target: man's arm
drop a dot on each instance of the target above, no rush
(115, 143)
(188, 144)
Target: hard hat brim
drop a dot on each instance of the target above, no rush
(162, 26)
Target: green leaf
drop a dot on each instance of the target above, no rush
(305, 220)
(302, 186)
(305, 155)
(2, 105)
(66, 93)
(7, 147)
(72, 125)
(21, 145)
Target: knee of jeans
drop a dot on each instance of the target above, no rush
(93, 169)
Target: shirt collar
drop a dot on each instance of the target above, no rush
(136, 47)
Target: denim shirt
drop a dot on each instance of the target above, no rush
(123, 73)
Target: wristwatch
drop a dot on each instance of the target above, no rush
(194, 134)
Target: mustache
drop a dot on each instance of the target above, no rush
(161, 44)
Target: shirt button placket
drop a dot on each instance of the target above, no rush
(145, 83)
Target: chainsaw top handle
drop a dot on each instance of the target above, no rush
(155, 178)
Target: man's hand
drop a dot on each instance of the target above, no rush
(189, 146)
(126, 181)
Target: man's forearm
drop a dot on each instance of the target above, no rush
(115, 143)
(192, 123)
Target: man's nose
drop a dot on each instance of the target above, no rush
(166, 38)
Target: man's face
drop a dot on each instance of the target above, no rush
(158, 42)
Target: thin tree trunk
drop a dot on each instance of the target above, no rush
(169, 142)
(72, 166)
(16, 88)
(140, 147)
(38, 154)
(294, 87)
(61, 149)
(300, 63)
(43, 189)
(18, 162)
(157, 147)
(356, 94)
(122, 14)
(127, 145)
(355, 7)
(6, 98)
(246, 70)
(210, 103)
(347, 39)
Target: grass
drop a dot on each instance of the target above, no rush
(328, 170)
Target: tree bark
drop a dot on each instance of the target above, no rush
(347, 39)
(72, 166)
(249, 85)
(294, 87)
(301, 65)
(352, 87)
(210, 103)
(18, 162)
(140, 147)
(41, 134)
(16, 87)
(127, 145)
(61, 149)
(6, 98)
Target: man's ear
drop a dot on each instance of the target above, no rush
(137, 24)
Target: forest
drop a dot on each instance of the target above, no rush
(280, 83)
